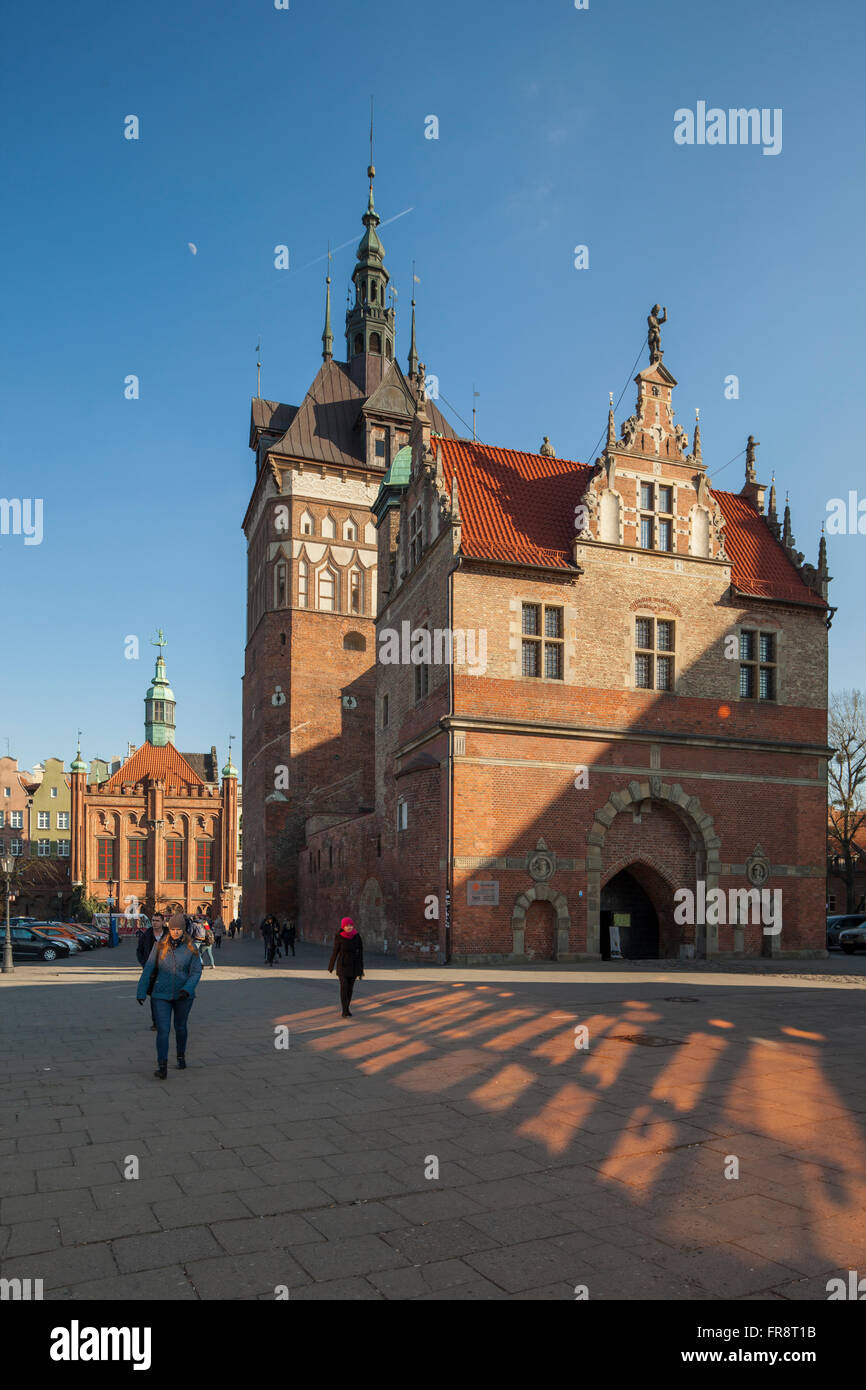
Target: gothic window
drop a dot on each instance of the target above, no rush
(280, 585)
(356, 592)
(328, 590)
(354, 642)
(302, 583)
(174, 860)
(105, 859)
(204, 860)
(375, 342)
(350, 531)
(329, 528)
(136, 870)
(308, 525)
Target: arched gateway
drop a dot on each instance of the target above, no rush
(640, 797)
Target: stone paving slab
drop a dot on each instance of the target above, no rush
(304, 1170)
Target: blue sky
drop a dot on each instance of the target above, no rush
(555, 129)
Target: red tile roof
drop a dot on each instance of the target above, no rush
(148, 761)
(514, 506)
(759, 564)
(520, 508)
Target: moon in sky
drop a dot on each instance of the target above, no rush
(193, 248)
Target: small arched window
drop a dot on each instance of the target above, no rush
(375, 342)
(329, 527)
(354, 642)
(328, 591)
(350, 531)
(308, 527)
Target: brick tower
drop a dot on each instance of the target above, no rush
(309, 681)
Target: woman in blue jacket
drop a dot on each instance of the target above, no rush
(172, 971)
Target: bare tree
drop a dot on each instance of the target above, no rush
(846, 778)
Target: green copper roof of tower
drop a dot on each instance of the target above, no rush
(159, 705)
(78, 765)
(230, 770)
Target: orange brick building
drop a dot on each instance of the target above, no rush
(161, 829)
(635, 711)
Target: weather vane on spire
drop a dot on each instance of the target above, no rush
(160, 640)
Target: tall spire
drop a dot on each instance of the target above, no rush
(413, 351)
(787, 538)
(369, 321)
(159, 703)
(771, 511)
(327, 336)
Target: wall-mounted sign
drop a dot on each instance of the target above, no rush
(482, 892)
(622, 919)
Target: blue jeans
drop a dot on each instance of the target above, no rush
(163, 1009)
(209, 950)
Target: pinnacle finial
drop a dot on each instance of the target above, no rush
(611, 423)
(413, 350)
(697, 445)
(327, 336)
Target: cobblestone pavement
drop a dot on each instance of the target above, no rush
(305, 1168)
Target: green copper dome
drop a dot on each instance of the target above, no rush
(79, 765)
(230, 770)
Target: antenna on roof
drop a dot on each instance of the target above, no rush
(475, 395)
(259, 367)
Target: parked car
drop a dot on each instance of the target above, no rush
(58, 933)
(35, 945)
(841, 922)
(853, 939)
(89, 939)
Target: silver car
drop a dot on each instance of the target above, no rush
(853, 939)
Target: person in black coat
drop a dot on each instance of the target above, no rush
(270, 934)
(287, 936)
(348, 956)
(143, 947)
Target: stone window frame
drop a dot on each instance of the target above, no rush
(759, 625)
(307, 518)
(542, 640)
(655, 651)
(655, 482)
(327, 566)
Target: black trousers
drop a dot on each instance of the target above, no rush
(347, 984)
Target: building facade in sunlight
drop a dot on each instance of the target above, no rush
(162, 828)
(562, 704)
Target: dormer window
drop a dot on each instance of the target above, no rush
(380, 448)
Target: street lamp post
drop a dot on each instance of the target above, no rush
(7, 863)
(112, 930)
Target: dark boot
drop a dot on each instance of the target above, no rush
(162, 1071)
(181, 1061)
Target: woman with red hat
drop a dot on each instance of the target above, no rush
(348, 956)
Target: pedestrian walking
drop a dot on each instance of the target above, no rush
(269, 930)
(170, 976)
(206, 941)
(143, 947)
(287, 936)
(348, 956)
(218, 930)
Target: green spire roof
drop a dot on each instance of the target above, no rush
(79, 765)
(400, 472)
(230, 770)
